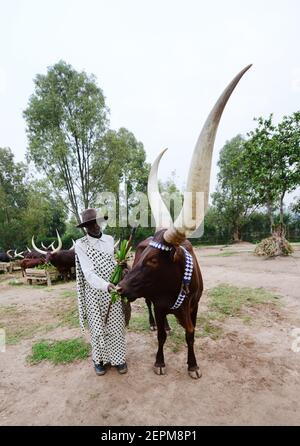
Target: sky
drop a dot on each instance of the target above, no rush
(161, 64)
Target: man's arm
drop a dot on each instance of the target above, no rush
(88, 270)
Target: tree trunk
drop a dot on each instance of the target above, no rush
(281, 215)
(236, 235)
(271, 218)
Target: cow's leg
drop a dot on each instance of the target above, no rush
(193, 368)
(159, 366)
(152, 322)
(167, 326)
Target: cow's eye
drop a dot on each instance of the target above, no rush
(152, 262)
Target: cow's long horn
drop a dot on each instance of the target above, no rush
(36, 248)
(73, 246)
(59, 243)
(199, 173)
(7, 252)
(19, 254)
(29, 250)
(43, 246)
(159, 210)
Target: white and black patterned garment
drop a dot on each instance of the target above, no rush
(108, 340)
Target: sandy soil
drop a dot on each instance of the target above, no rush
(251, 376)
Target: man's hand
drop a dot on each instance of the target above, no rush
(111, 287)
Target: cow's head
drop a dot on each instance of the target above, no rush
(153, 266)
(50, 252)
(158, 271)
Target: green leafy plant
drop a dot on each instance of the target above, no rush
(46, 266)
(121, 256)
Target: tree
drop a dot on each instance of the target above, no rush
(232, 199)
(66, 121)
(272, 162)
(128, 178)
(13, 199)
(295, 207)
(44, 214)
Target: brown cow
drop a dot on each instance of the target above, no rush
(31, 263)
(62, 259)
(167, 271)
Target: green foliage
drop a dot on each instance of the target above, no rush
(296, 207)
(59, 352)
(66, 120)
(232, 200)
(26, 207)
(272, 162)
(69, 140)
(71, 233)
(46, 266)
(121, 255)
(13, 200)
(44, 214)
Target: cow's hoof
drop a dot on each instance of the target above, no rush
(159, 370)
(153, 327)
(195, 374)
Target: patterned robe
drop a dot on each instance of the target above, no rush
(107, 340)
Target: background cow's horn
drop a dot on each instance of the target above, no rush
(36, 248)
(9, 255)
(59, 243)
(73, 246)
(159, 210)
(199, 174)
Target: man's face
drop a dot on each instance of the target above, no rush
(93, 228)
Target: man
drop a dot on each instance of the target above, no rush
(94, 256)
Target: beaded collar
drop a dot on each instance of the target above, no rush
(160, 246)
(187, 275)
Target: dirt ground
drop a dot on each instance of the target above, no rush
(251, 375)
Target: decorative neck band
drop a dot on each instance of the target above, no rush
(161, 246)
(187, 275)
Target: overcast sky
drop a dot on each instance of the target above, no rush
(161, 64)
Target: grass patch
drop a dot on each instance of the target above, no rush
(139, 322)
(68, 293)
(15, 282)
(229, 300)
(67, 313)
(14, 336)
(224, 254)
(206, 328)
(59, 352)
(176, 338)
(223, 301)
(20, 324)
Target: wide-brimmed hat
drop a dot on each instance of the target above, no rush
(90, 215)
